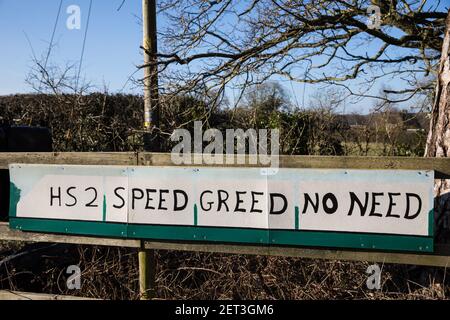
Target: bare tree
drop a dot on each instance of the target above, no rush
(438, 143)
(211, 45)
(267, 97)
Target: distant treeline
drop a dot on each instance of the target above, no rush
(409, 120)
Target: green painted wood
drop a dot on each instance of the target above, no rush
(92, 228)
(364, 241)
(228, 235)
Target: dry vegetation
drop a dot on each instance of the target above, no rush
(111, 273)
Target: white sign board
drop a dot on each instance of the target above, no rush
(333, 208)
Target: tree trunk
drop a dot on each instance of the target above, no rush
(438, 142)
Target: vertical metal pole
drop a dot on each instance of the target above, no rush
(147, 273)
(151, 99)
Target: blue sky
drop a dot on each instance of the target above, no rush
(112, 47)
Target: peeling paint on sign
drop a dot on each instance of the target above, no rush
(369, 209)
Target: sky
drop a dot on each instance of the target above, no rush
(112, 44)
(112, 49)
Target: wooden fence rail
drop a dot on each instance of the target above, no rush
(441, 166)
(15, 295)
(440, 258)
